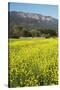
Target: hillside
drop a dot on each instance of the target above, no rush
(31, 21)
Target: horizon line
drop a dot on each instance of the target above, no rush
(32, 13)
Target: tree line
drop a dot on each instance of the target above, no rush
(21, 31)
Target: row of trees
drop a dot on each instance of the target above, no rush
(20, 31)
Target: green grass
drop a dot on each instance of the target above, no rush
(33, 62)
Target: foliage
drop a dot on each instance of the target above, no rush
(20, 31)
(33, 62)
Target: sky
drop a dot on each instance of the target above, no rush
(47, 10)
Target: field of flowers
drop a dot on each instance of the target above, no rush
(33, 62)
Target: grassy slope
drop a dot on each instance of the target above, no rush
(33, 62)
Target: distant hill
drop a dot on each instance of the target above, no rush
(32, 20)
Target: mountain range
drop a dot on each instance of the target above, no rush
(32, 20)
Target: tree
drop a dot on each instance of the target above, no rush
(15, 32)
(47, 35)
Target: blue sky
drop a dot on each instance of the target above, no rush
(47, 10)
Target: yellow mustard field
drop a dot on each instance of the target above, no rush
(33, 62)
